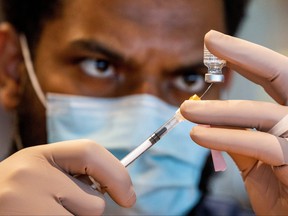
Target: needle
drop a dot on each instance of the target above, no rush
(206, 91)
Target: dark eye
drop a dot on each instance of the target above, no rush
(98, 68)
(189, 82)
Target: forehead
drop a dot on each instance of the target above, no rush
(147, 13)
(170, 15)
(138, 24)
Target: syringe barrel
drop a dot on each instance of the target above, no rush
(154, 138)
(165, 128)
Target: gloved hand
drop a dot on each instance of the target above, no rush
(39, 180)
(261, 154)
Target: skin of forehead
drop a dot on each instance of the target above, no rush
(133, 27)
(169, 31)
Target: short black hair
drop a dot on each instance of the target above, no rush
(29, 16)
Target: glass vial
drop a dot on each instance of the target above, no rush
(214, 65)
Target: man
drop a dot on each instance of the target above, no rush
(114, 71)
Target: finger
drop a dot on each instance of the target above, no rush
(239, 113)
(86, 157)
(282, 174)
(253, 144)
(259, 64)
(78, 197)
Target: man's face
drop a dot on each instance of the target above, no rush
(117, 48)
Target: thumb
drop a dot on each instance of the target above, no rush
(88, 158)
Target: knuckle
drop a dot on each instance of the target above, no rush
(88, 147)
(22, 171)
(8, 195)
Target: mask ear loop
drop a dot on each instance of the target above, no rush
(35, 85)
(30, 69)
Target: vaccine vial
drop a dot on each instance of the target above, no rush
(214, 65)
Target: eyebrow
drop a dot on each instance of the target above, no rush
(97, 47)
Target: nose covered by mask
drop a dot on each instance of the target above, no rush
(165, 178)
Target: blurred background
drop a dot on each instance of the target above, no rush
(265, 24)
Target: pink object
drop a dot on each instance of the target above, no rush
(218, 161)
(217, 157)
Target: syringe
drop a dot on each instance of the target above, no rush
(154, 138)
(158, 134)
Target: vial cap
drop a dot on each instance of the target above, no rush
(214, 78)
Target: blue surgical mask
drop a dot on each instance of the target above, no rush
(165, 178)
